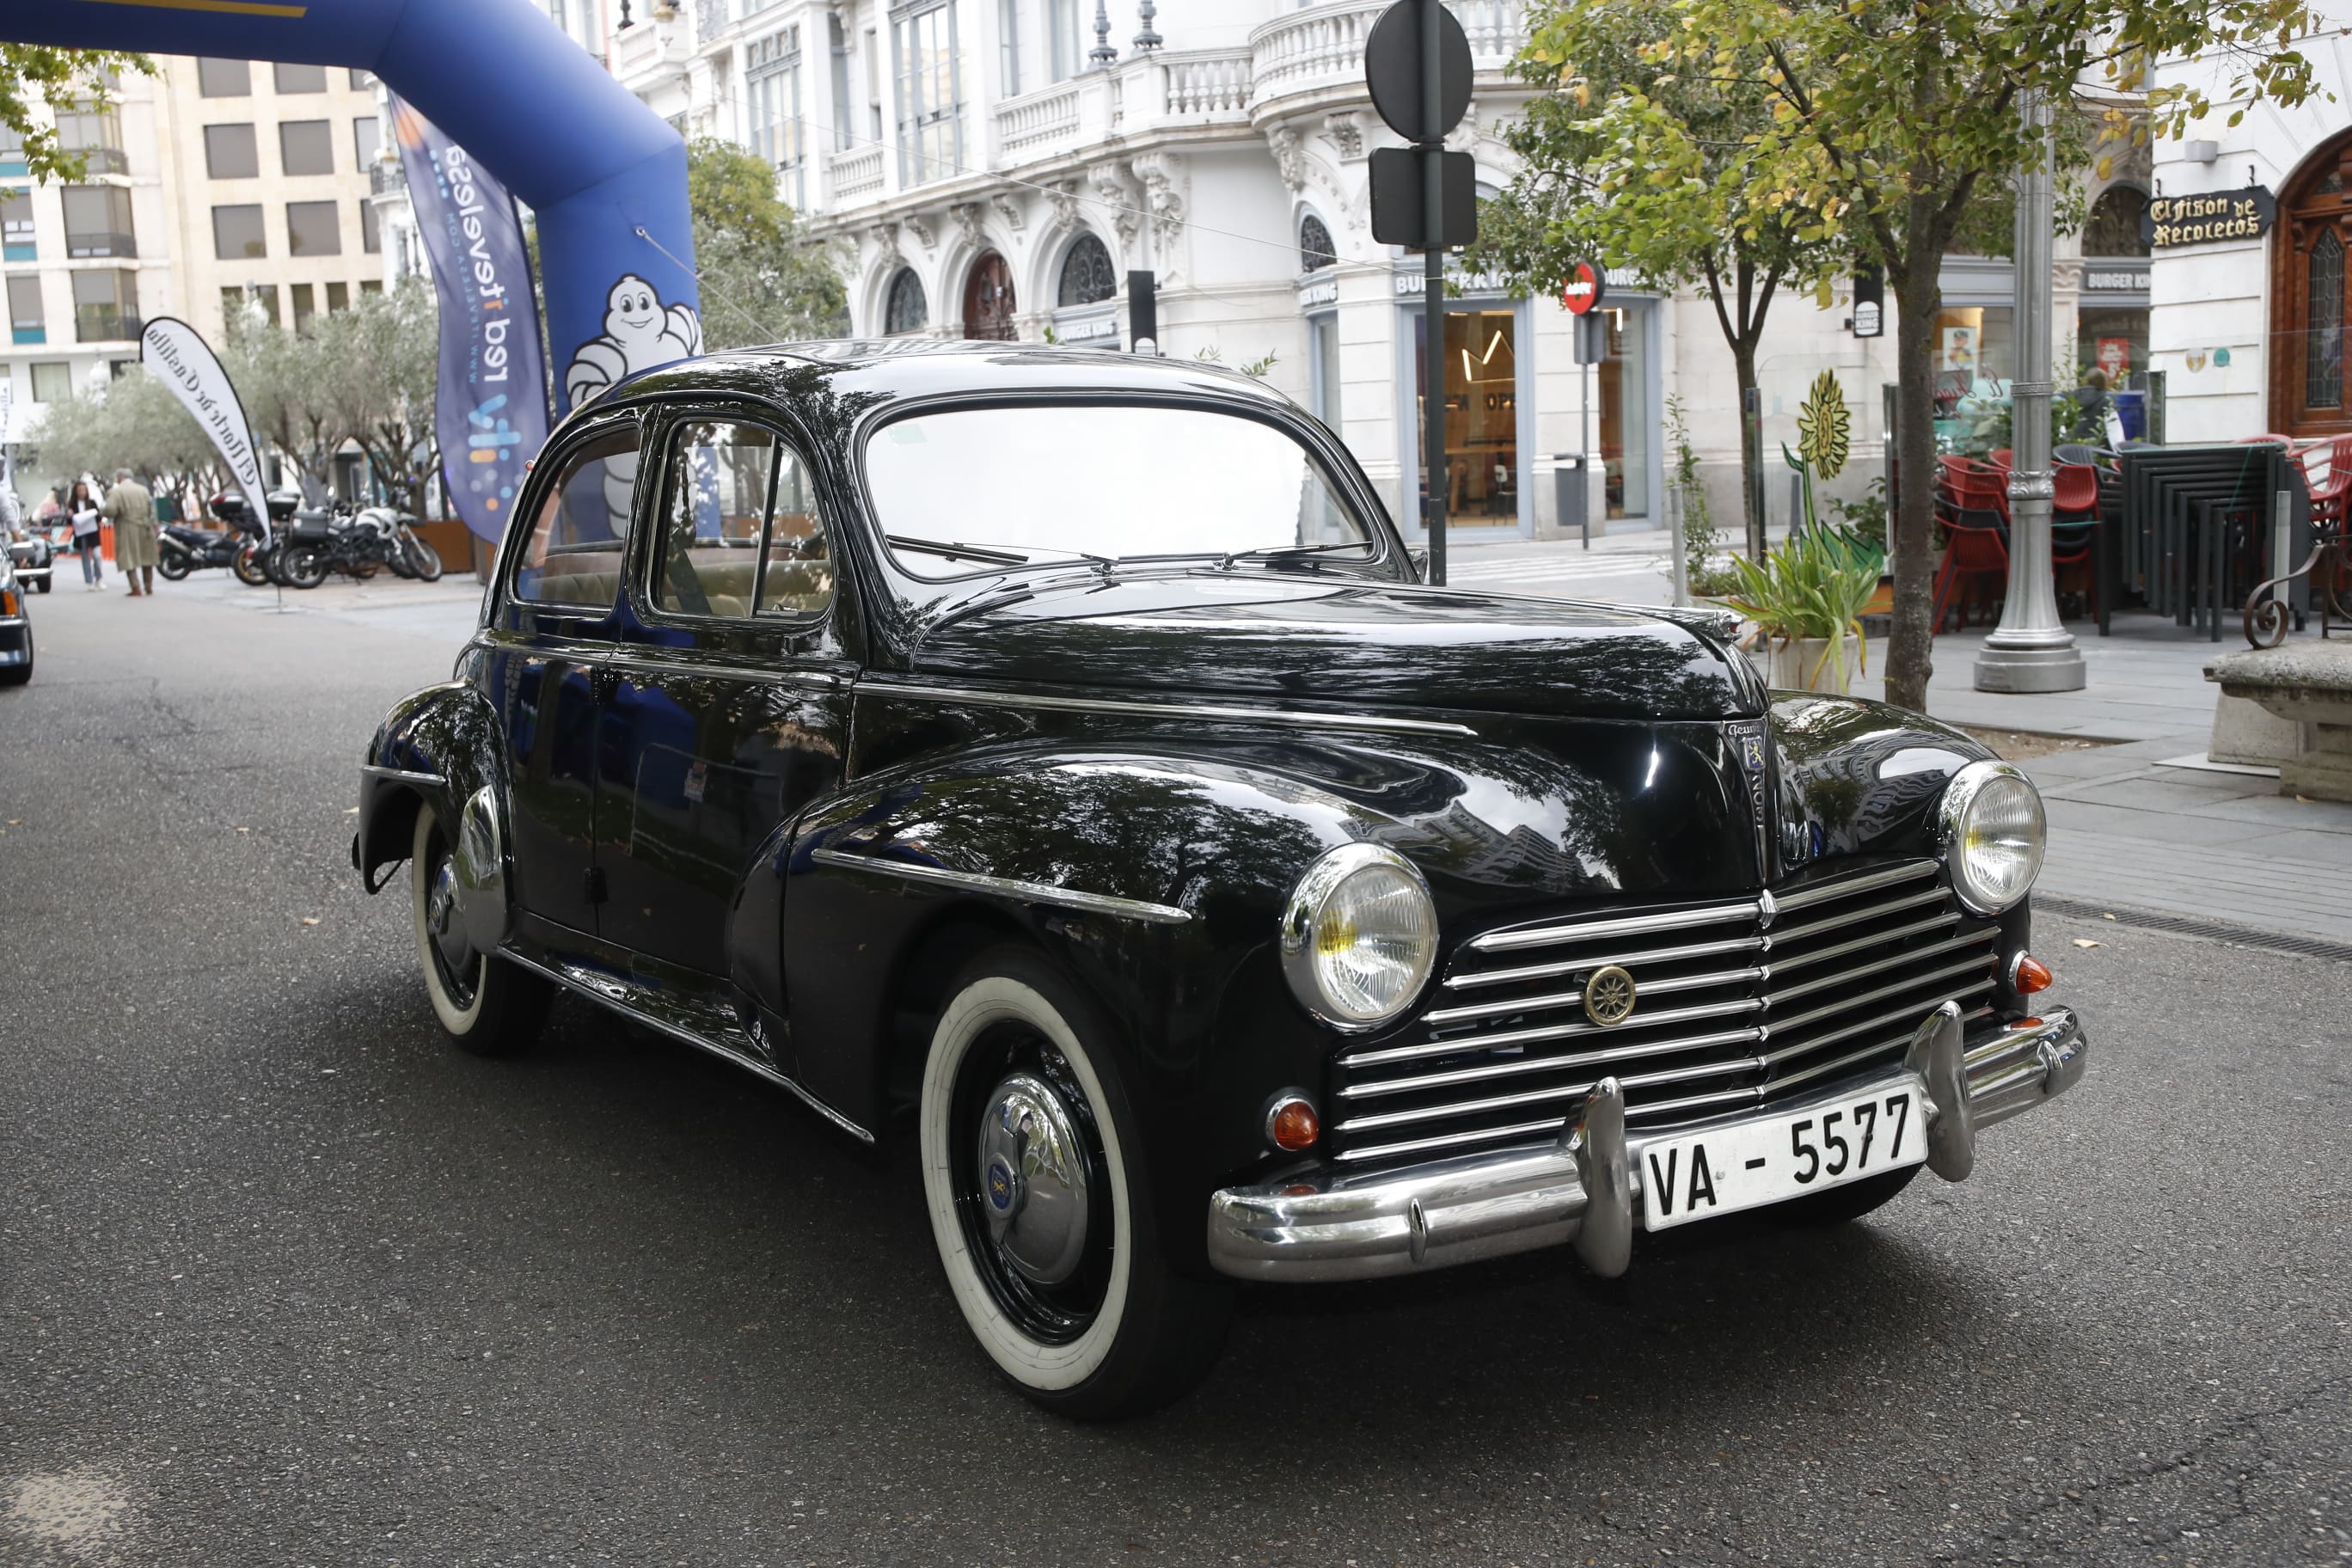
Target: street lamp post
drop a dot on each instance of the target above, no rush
(2030, 650)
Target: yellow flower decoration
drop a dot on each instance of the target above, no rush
(1824, 428)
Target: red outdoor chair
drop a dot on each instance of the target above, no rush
(1966, 485)
(1973, 552)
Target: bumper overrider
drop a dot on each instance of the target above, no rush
(1586, 1188)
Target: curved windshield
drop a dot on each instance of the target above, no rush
(967, 490)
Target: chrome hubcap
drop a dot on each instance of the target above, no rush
(441, 917)
(1032, 1179)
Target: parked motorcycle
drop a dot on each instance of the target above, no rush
(181, 548)
(256, 563)
(355, 543)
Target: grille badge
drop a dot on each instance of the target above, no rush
(1609, 996)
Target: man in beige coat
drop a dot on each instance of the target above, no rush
(131, 509)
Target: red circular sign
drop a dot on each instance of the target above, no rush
(1583, 288)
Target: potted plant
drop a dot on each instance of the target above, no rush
(1806, 598)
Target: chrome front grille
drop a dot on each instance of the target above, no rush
(1741, 1001)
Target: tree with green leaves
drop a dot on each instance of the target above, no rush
(763, 277)
(62, 81)
(1893, 119)
(380, 364)
(1633, 163)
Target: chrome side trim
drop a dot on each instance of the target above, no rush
(404, 775)
(1869, 882)
(1300, 718)
(1621, 960)
(604, 998)
(816, 679)
(1028, 892)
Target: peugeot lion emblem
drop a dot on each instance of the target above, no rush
(1609, 996)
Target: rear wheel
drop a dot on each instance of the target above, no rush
(249, 569)
(172, 568)
(303, 566)
(1040, 1200)
(487, 1006)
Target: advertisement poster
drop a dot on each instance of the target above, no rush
(1961, 350)
(179, 355)
(490, 402)
(2115, 358)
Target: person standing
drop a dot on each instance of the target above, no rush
(81, 513)
(132, 511)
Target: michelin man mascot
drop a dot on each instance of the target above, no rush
(639, 333)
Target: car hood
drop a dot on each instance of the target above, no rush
(1334, 639)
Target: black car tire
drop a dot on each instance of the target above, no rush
(19, 674)
(1839, 1205)
(45, 580)
(496, 1008)
(1130, 1334)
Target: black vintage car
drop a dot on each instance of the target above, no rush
(16, 628)
(1052, 757)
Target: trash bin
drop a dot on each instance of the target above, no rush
(1568, 494)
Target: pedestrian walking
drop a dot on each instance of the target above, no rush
(81, 513)
(131, 509)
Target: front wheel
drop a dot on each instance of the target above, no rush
(1040, 1200)
(303, 567)
(489, 1007)
(172, 568)
(249, 569)
(423, 559)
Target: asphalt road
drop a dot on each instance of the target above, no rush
(283, 1280)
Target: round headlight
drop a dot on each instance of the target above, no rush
(1359, 937)
(1993, 833)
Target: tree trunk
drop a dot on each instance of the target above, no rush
(1751, 449)
(1910, 652)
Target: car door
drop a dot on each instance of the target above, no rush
(548, 652)
(729, 707)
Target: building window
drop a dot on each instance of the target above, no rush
(106, 306)
(362, 80)
(371, 286)
(1063, 45)
(988, 301)
(306, 147)
(367, 141)
(1008, 47)
(16, 226)
(230, 152)
(371, 236)
(845, 119)
(236, 232)
(93, 130)
(931, 99)
(907, 311)
(1323, 342)
(52, 381)
(2323, 373)
(339, 295)
(313, 228)
(299, 78)
(12, 150)
(1087, 275)
(1315, 252)
(98, 222)
(305, 301)
(771, 72)
(225, 78)
(2113, 227)
(26, 320)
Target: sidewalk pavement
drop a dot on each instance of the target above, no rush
(2143, 823)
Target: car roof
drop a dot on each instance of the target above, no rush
(859, 376)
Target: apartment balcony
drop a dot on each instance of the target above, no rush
(855, 175)
(1201, 89)
(84, 246)
(386, 177)
(651, 54)
(1318, 54)
(93, 324)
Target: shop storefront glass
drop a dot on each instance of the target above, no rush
(1482, 413)
(1627, 421)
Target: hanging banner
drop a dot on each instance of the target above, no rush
(179, 355)
(490, 399)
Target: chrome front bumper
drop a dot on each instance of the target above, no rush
(1586, 1188)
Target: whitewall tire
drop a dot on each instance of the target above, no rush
(486, 1004)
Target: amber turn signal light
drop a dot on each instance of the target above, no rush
(2029, 974)
(1292, 1125)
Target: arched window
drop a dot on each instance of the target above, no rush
(1315, 251)
(2323, 361)
(2113, 227)
(907, 312)
(1087, 276)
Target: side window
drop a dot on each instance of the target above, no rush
(573, 555)
(741, 535)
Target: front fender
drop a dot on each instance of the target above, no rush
(1861, 778)
(437, 746)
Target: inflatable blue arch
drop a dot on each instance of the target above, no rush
(605, 175)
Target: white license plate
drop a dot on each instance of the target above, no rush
(1748, 1164)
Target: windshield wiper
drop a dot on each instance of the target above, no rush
(955, 551)
(995, 557)
(1285, 551)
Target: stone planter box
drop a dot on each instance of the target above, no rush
(2308, 684)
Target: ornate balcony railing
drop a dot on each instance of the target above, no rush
(1037, 125)
(857, 174)
(1322, 47)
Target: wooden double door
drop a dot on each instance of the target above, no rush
(2309, 394)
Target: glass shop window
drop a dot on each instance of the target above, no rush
(573, 555)
(741, 535)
